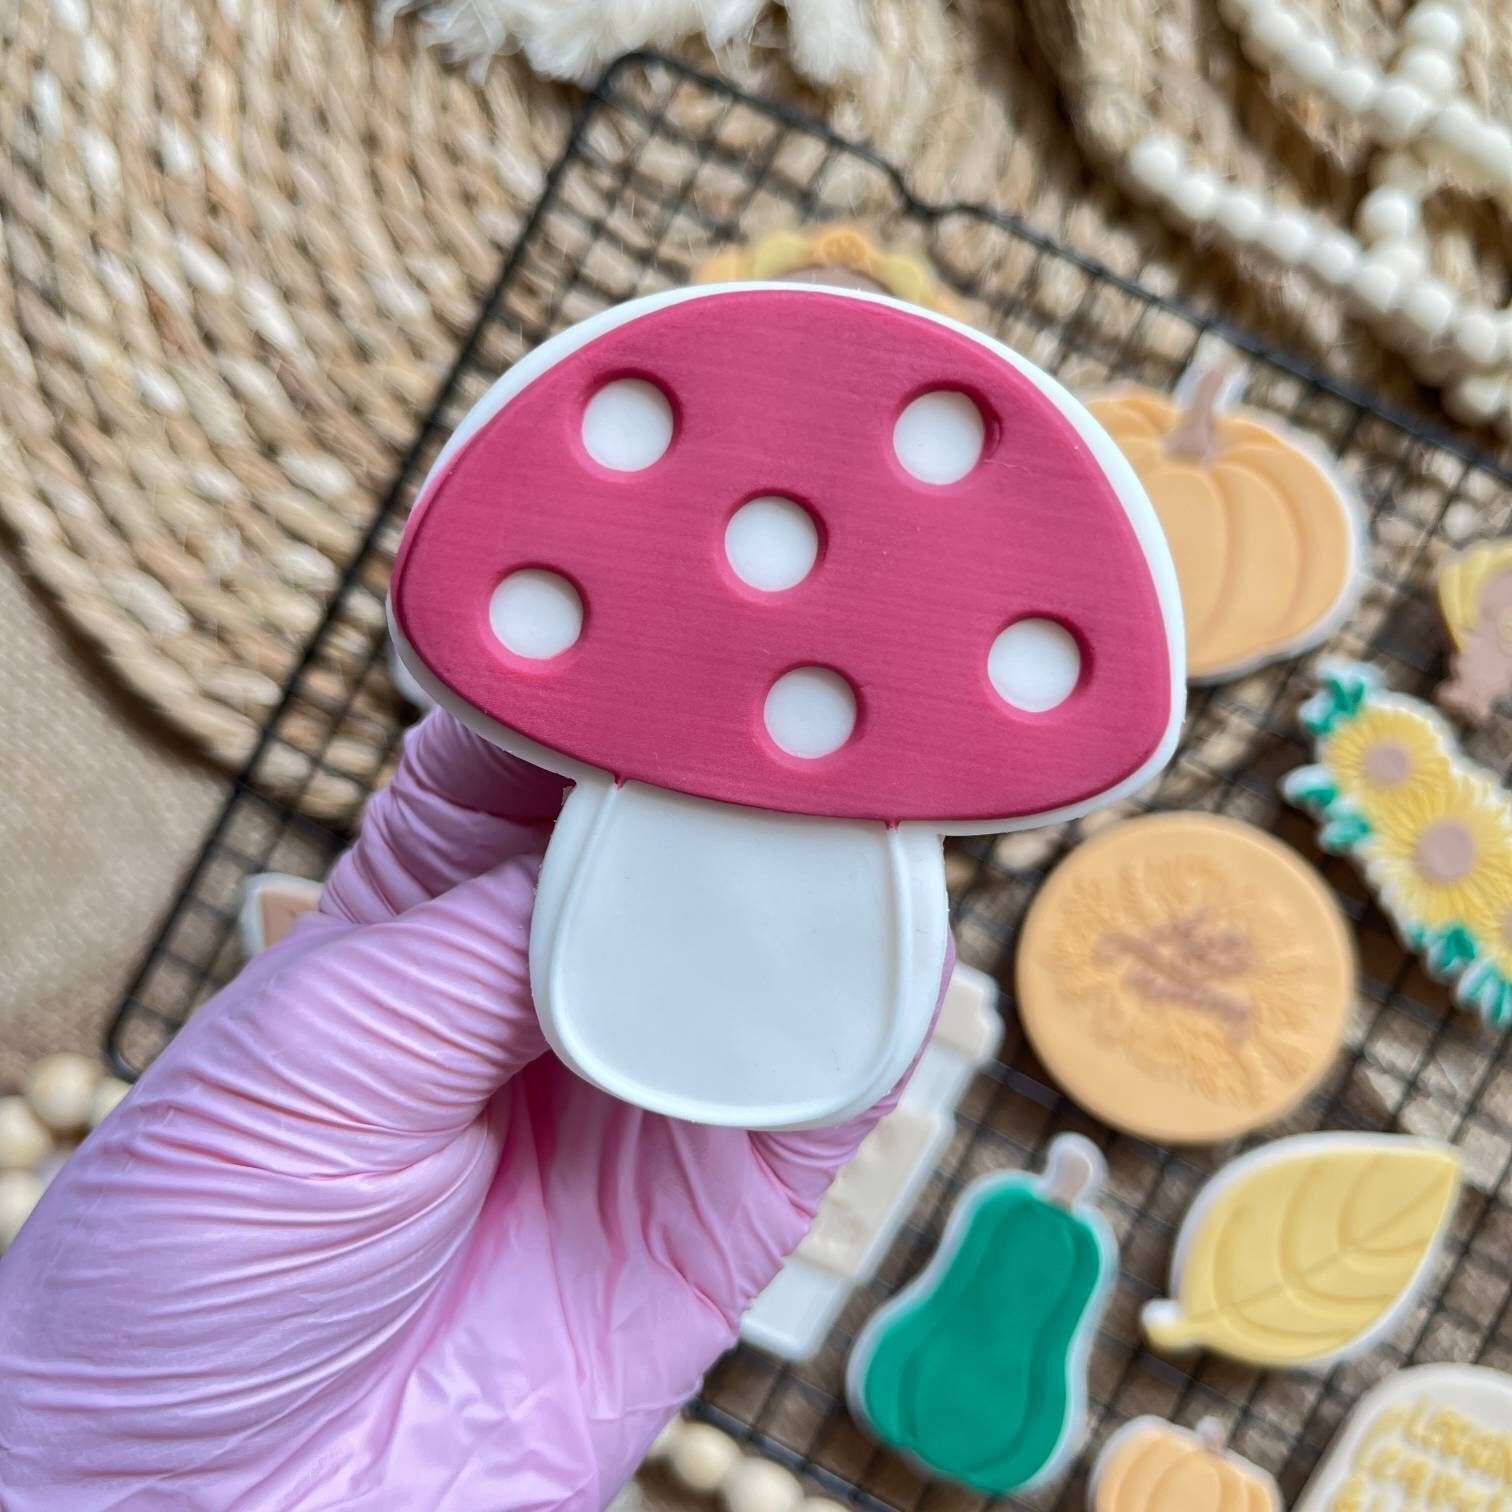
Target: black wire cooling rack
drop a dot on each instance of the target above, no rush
(665, 168)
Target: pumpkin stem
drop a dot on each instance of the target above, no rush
(1212, 1435)
(1195, 434)
(1073, 1171)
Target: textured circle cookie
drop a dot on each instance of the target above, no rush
(1185, 977)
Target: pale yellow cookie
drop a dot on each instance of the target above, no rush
(1185, 977)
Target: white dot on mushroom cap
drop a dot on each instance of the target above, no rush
(810, 712)
(939, 437)
(771, 543)
(536, 614)
(627, 425)
(1034, 664)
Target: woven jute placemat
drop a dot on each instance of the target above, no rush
(242, 243)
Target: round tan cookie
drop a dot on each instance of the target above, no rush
(1185, 977)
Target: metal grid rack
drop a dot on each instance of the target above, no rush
(664, 168)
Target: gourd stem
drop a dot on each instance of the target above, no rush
(1073, 1171)
(1212, 1435)
(1195, 434)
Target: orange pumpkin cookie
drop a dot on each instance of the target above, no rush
(1185, 977)
(1151, 1465)
(1265, 536)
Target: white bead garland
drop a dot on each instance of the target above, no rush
(24, 1139)
(107, 1097)
(704, 1460)
(65, 1095)
(701, 1456)
(61, 1089)
(758, 1485)
(1419, 114)
(19, 1194)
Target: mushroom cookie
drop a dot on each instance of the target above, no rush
(790, 581)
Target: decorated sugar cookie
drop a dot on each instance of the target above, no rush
(1266, 535)
(977, 1369)
(1151, 1465)
(872, 1195)
(839, 254)
(1475, 598)
(1434, 1436)
(1308, 1249)
(1431, 831)
(1185, 977)
(783, 578)
(272, 904)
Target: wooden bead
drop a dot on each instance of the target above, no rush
(61, 1088)
(20, 1192)
(24, 1139)
(1271, 33)
(1156, 164)
(107, 1098)
(1478, 337)
(1287, 235)
(1406, 259)
(1355, 86)
(1490, 153)
(1430, 70)
(1428, 306)
(758, 1485)
(1334, 256)
(1195, 197)
(702, 1456)
(1476, 400)
(1434, 26)
(1387, 214)
(1240, 214)
(1461, 521)
(661, 1445)
(1400, 109)
(1455, 128)
(1313, 60)
(1377, 286)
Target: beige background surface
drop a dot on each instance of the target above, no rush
(99, 813)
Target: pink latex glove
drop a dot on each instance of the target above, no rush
(358, 1240)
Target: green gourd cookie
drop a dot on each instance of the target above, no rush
(977, 1369)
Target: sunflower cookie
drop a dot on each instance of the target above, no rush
(1431, 831)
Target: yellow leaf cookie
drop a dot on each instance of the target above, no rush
(1308, 1249)
(1186, 977)
(1151, 1465)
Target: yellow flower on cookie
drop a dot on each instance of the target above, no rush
(1389, 762)
(1445, 852)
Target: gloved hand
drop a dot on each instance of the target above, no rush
(358, 1240)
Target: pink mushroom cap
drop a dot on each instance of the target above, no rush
(795, 393)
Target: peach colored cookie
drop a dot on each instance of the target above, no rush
(1266, 536)
(1151, 1465)
(1185, 977)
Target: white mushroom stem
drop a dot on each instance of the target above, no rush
(734, 965)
